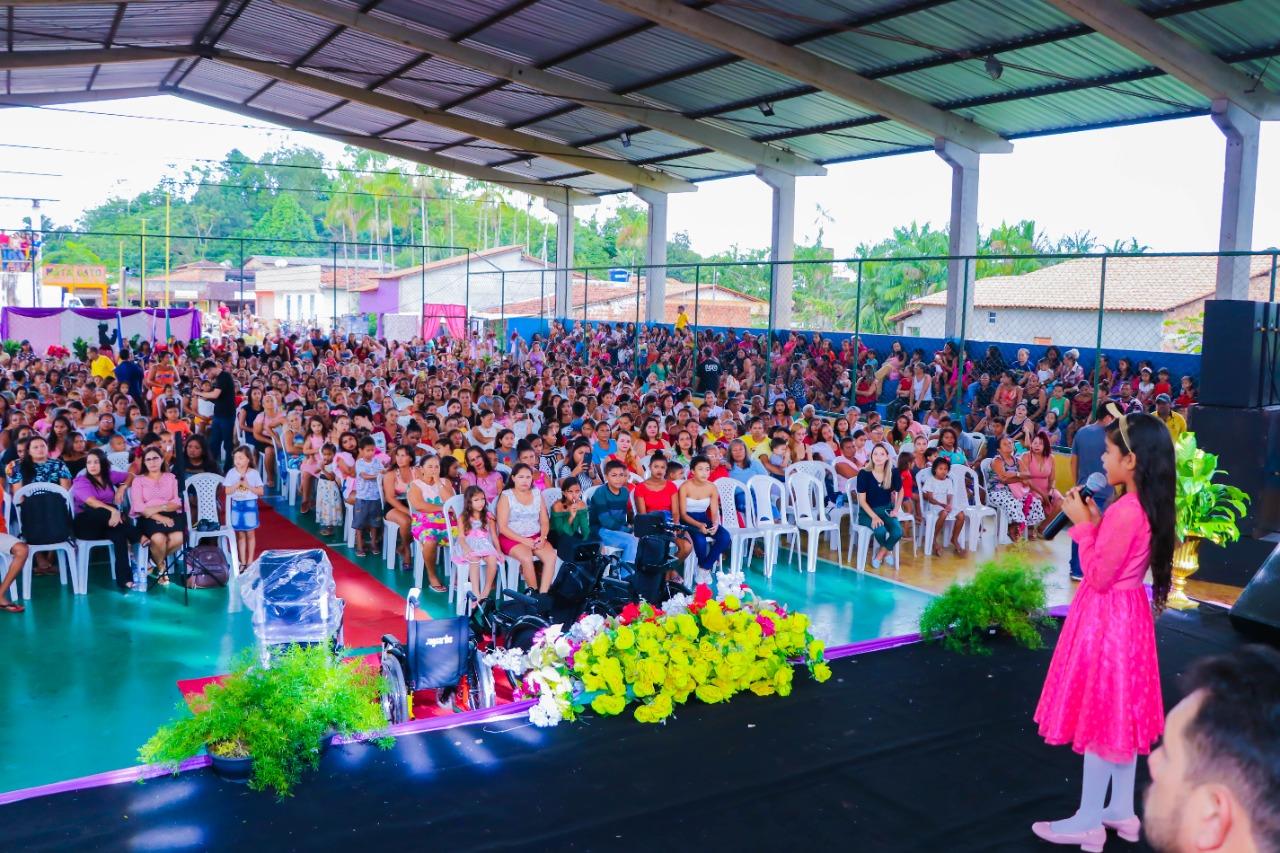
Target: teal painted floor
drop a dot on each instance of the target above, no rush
(89, 678)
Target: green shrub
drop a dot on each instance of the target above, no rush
(1006, 593)
(278, 716)
(12, 345)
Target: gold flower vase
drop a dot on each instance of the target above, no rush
(1186, 562)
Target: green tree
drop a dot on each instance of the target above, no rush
(286, 220)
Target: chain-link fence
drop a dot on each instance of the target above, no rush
(1106, 315)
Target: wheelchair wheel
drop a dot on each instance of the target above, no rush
(395, 691)
(521, 633)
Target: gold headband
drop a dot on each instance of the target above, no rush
(1124, 424)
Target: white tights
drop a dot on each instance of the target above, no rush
(1094, 808)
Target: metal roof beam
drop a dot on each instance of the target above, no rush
(550, 192)
(666, 120)
(810, 68)
(1166, 49)
(618, 169)
(92, 56)
(54, 99)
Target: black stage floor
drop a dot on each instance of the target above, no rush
(913, 749)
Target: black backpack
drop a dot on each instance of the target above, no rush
(45, 519)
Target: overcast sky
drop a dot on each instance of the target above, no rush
(1160, 183)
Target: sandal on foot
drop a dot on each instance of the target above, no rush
(163, 579)
(439, 587)
(12, 607)
(360, 553)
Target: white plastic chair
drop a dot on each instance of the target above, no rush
(741, 536)
(808, 500)
(975, 513)
(84, 547)
(205, 487)
(119, 461)
(550, 496)
(459, 576)
(65, 550)
(988, 478)
(766, 492)
(292, 476)
(865, 536)
(391, 538)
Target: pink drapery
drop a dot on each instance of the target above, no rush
(453, 315)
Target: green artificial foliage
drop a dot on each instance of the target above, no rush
(196, 348)
(1205, 509)
(135, 343)
(278, 716)
(79, 346)
(1007, 594)
(11, 346)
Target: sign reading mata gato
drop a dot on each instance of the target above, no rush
(75, 275)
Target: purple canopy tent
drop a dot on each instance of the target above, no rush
(45, 326)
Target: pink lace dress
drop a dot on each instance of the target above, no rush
(1102, 693)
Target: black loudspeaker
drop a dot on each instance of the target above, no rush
(1238, 363)
(1256, 613)
(1247, 442)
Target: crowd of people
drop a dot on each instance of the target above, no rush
(18, 249)
(392, 430)
(622, 424)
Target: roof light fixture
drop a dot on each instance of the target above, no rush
(766, 108)
(994, 67)
(625, 139)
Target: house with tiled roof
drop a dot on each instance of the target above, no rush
(487, 277)
(616, 302)
(1145, 297)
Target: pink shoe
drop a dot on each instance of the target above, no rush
(1129, 829)
(1090, 841)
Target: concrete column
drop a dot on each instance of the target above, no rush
(1239, 188)
(782, 246)
(963, 232)
(655, 298)
(564, 254)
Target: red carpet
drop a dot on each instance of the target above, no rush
(371, 608)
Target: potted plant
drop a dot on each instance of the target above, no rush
(266, 726)
(1005, 595)
(1205, 510)
(81, 348)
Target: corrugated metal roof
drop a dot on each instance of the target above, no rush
(1058, 75)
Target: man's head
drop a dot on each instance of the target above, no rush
(615, 474)
(210, 368)
(1215, 780)
(1163, 405)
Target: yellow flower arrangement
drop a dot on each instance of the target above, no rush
(698, 647)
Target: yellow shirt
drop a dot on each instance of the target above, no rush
(681, 321)
(1176, 423)
(103, 367)
(756, 448)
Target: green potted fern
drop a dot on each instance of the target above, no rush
(1007, 595)
(266, 726)
(1205, 511)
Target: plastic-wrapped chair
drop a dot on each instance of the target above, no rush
(808, 499)
(66, 551)
(766, 492)
(205, 488)
(293, 599)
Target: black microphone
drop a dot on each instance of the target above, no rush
(1097, 482)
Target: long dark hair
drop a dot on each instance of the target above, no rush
(1155, 477)
(103, 480)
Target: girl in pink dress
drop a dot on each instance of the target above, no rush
(1102, 693)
